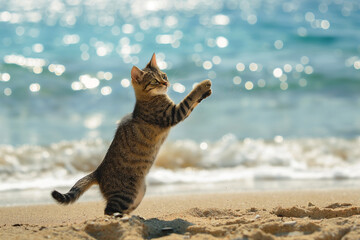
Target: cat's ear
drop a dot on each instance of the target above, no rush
(136, 74)
(152, 63)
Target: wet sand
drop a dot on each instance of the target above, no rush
(328, 214)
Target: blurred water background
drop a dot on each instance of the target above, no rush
(284, 111)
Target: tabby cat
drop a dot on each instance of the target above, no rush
(121, 175)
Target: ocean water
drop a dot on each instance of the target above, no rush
(284, 109)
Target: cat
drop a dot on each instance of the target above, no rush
(121, 175)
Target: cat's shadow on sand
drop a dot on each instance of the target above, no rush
(158, 228)
(149, 229)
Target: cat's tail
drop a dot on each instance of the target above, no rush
(76, 191)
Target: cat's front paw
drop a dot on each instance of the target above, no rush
(204, 89)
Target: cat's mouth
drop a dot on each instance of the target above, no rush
(166, 84)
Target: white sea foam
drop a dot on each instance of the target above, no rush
(187, 161)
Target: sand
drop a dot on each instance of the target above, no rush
(330, 214)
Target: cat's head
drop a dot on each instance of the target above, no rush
(149, 81)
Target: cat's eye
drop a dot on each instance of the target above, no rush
(164, 77)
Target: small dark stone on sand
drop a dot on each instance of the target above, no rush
(16, 225)
(252, 209)
(338, 205)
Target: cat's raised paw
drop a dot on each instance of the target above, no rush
(206, 83)
(203, 87)
(205, 95)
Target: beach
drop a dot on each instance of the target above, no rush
(305, 214)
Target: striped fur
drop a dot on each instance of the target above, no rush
(139, 136)
(76, 191)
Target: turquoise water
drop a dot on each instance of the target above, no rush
(313, 46)
(285, 102)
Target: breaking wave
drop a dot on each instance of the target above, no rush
(188, 161)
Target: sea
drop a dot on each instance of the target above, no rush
(284, 113)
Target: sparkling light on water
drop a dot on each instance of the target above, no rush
(203, 146)
(76, 86)
(220, 19)
(34, 87)
(304, 60)
(222, 42)
(287, 68)
(93, 121)
(38, 48)
(7, 91)
(216, 60)
(284, 86)
(101, 51)
(357, 65)
(283, 78)
(278, 44)
(100, 75)
(278, 139)
(71, 39)
(24, 61)
(308, 70)
(104, 75)
(178, 87)
(106, 90)
(237, 80)
(252, 19)
(125, 83)
(5, 77)
(108, 76)
(277, 72)
(85, 56)
(164, 39)
(253, 67)
(88, 81)
(58, 69)
(240, 67)
(249, 85)
(299, 67)
(207, 65)
(161, 64)
(309, 16)
(171, 21)
(128, 28)
(302, 82)
(5, 16)
(325, 24)
(37, 70)
(302, 32)
(211, 42)
(20, 31)
(261, 83)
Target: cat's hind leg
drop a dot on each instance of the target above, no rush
(122, 202)
(139, 197)
(118, 203)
